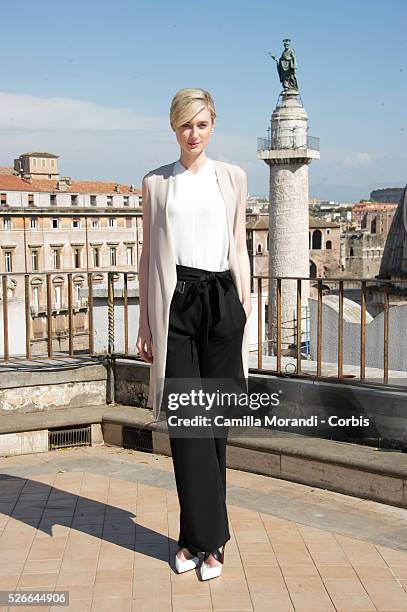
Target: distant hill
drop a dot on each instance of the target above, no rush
(347, 193)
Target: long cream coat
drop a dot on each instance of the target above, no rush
(162, 275)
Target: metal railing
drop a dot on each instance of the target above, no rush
(301, 325)
(291, 140)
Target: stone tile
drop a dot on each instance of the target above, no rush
(277, 602)
(230, 601)
(347, 602)
(124, 604)
(192, 602)
(386, 594)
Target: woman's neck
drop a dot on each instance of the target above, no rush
(192, 163)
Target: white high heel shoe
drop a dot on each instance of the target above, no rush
(185, 566)
(207, 571)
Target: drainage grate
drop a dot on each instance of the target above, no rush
(69, 436)
(137, 439)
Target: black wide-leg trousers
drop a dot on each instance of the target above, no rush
(205, 333)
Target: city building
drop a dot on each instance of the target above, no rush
(324, 247)
(57, 225)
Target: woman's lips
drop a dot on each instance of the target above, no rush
(193, 144)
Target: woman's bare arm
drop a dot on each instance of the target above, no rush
(144, 341)
(242, 254)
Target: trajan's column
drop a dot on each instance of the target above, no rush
(288, 151)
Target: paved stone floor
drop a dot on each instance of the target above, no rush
(102, 523)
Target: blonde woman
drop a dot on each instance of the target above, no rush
(194, 305)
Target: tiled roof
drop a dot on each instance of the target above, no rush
(39, 154)
(15, 183)
(317, 222)
(258, 223)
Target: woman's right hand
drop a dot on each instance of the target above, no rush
(144, 343)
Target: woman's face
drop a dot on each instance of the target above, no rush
(194, 135)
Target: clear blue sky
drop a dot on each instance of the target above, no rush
(93, 81)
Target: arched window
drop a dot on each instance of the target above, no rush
(312, 269)
(328, 244)
(316, 239)
(351, 252)
(259, 248)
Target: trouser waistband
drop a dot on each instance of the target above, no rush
(199, 283)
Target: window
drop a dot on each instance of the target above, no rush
(77, 257)
(30, 199)
(77, 291)
(8, 261)
(55, 223)
(112, 222)
(34, 161)
(7, 223)
(129, 222)
(53, 199)
(36, 296)
(96, 257)
(57, 295)
(56, 259)
(126, 200)
(259, 249)
(328, 244)
(43, 162)
(93, 200)
(3, 199)
(129, 255)
(34, 259)
(76, 222)
(351, 252)
(109, 200)
(328, 231)
(33, 223)
(52, 162)
(113, 256)
(74, 200)
(95, 222)
(317, 239)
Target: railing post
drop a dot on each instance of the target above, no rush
(386, 334)
(279, 325)
(110, 313)
(319, 328)
(363, 331)
(299, 324)
(49, 315)
(340, 331)
(126, 315)
(90, 312)
(259, 325)
(70, 316)
(27, 316)
(5, 320)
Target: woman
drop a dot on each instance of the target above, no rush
(194, 304)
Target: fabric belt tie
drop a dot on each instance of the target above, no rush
(201, 287)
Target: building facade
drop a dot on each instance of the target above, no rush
(58, 225)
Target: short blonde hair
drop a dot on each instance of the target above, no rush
(187, 103)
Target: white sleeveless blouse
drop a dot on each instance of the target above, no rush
(197, 218)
